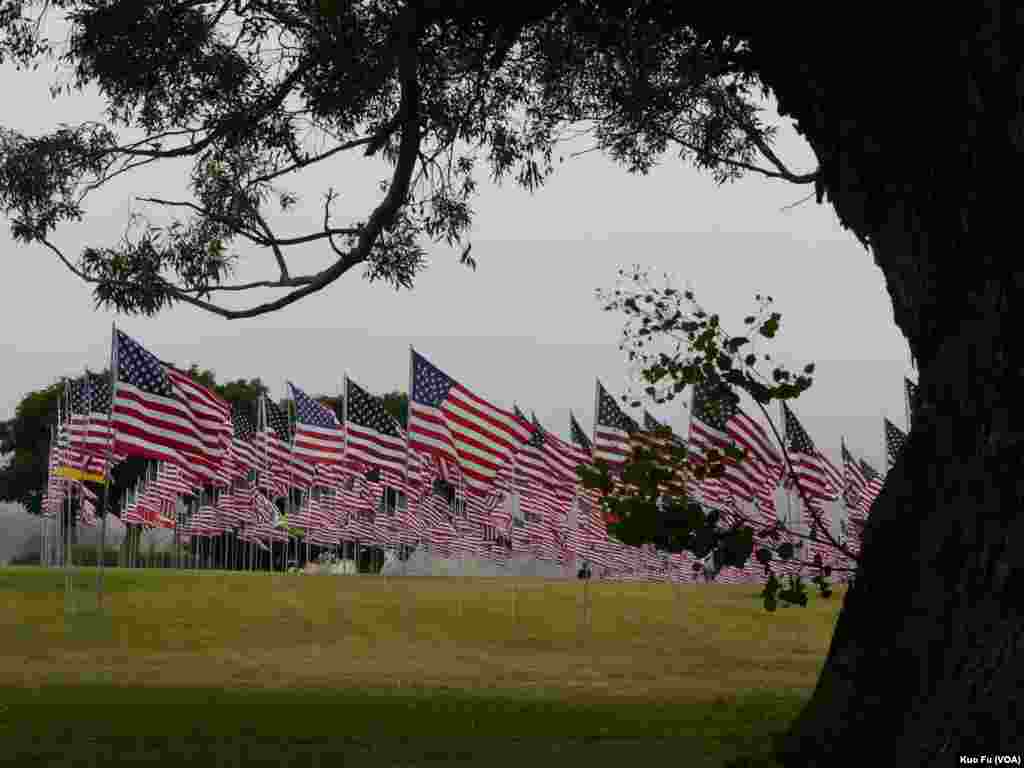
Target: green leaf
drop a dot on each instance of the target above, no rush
(770, 326)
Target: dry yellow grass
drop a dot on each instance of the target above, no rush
(525, 636)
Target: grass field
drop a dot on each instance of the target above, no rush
(254, 669)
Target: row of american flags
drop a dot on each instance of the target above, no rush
(465, 476)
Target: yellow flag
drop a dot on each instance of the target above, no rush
(72, 473)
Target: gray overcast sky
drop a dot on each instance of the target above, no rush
(525, 327)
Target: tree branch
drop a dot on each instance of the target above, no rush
(815, 513)
(783, 173)
(766, 150)
(384, 214)
(227, 124)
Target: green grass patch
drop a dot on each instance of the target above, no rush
(106, 725)
(228, 668)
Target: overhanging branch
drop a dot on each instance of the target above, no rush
(381, 217)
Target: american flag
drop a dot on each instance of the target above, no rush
(562, 456)
(374, 436)
(211, 413)
(273, 446)
(612, 430)
(579, 437)
(812, 474)
(277, 420)
(319, 437)
(150, 418)
(242, 449)
(894, 440)
(718, 421)
(855, 482)
(873, 481)
(449, 421)
(89, 406)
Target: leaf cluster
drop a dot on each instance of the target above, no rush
(674, 343)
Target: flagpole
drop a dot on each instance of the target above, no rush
(69, 586)
(885, 448)
(408, 459)
(107, 470)
(790, 479)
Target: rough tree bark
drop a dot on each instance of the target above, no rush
(925, 661)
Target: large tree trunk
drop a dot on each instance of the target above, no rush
(925, 661)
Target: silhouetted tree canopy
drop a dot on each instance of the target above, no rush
(442, 92)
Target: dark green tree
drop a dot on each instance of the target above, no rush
(396, 403)
(23, 479)
(923, 658)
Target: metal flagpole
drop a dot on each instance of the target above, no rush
(107, 469)
(262, 419)
(68, 494)
(789, 475)
(291, 472)
(885, 448)
(45, 539)
(58, 522)
(344, 421)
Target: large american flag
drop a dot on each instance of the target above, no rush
(150, 417)
(894, 440)
(373, 435)
(450, 421)
(810, 469)
(612, 430)
(717, 421)
(319, 437)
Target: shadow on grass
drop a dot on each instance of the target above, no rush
(107, 725)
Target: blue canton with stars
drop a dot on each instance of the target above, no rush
(140, 368)
(308, 411)
(277, 420)
(90, 394)
(578, 435)
(243, 428)
(537, 438)
(610, 415)
(894, 440)
(365, 410)
(799, 440)
(430, 386)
